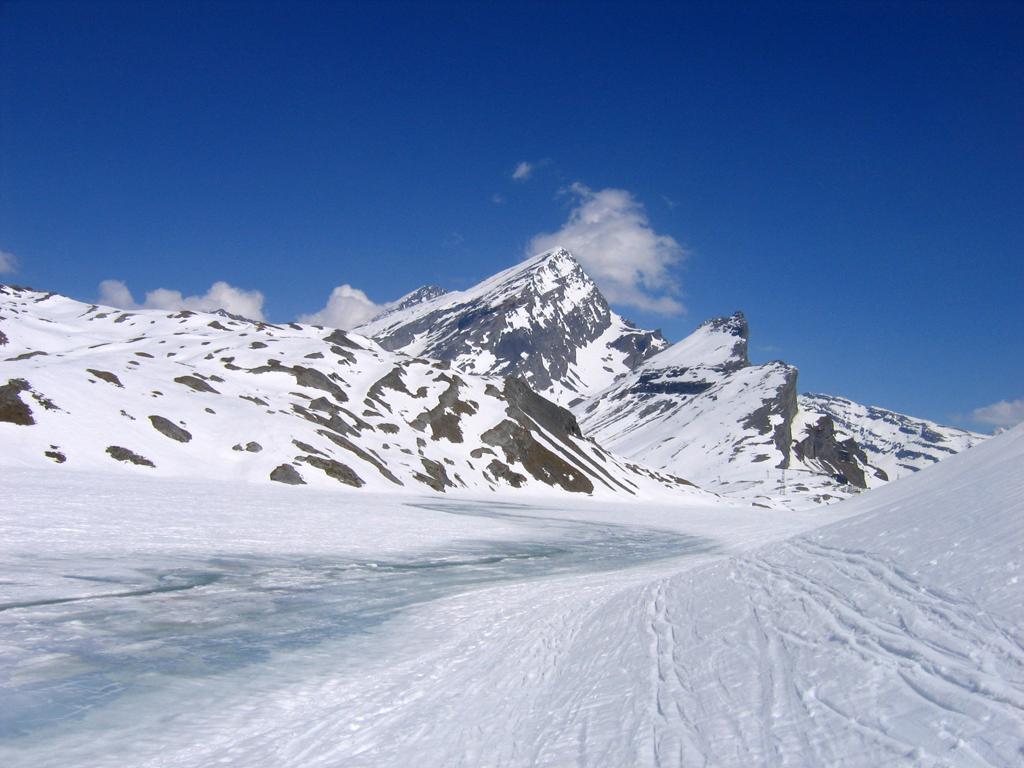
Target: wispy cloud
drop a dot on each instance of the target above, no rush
(1005, 413)
(8, 263)
(523, 170)
(609, 233)
(346, 308)
(221, 295)
(497, 198)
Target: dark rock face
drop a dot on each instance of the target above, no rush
(667, 382)
(839, 458)
(168, 428)
(105, 376)
(638, 346)
(525, 404)
(3, 338)
(305, 377)
(311, 377)
(340, 472)
(250, 447)
(420, 295)
(393, 381)
(501, 471)
(519, 445)
(26, 356)
(57, 456)
(124, 454)
(443, 418)
(287, 474)
(436, 477)
(570, 471)
(886, 435)
(197, 384)
(533, 325)
(783, 404)
(341, 339)
(12, 409)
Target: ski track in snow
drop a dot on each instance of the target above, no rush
(891, 637)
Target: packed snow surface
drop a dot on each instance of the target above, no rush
(152, 621)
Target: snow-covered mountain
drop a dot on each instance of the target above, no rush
(697, 408)
(702, 405)
(415, 405)
(214, 395)
(898, 445)
(741, 429)
(543, 320)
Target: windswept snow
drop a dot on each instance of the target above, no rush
(355, 629)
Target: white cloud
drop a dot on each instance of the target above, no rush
(221, 295)
(523, 171)
(609, 233)
(1005, 413)
(497, 198)
(114, 293)
(8, 262)
(346, 308)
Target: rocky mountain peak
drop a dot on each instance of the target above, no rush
(720, 344)
(544, 320)
(420, 295)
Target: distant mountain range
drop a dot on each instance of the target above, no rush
(528, 381)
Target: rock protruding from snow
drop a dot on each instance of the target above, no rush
(420, 295)
(544, 321)
(894, 444)
(701, 409)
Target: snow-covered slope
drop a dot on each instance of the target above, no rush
(700, 404)
(741, 430)
(144, 628)
(211, 395)
(898, 445)
(543, 320)
(892, 638)
(697, 407)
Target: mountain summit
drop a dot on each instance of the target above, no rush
(543, 320)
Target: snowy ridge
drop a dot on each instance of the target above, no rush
(898, 445)
(740, 429)
(210, 395)
(696, 408)
(700, 404)
(542, 320)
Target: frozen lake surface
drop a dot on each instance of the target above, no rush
(109, 627)
(175, 623)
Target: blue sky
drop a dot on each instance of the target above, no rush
(851, 176)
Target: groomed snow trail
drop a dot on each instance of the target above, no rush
(893, 637)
